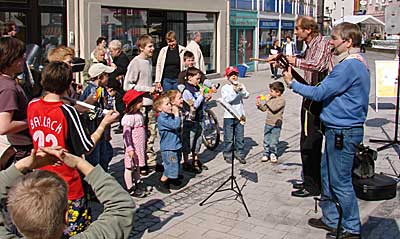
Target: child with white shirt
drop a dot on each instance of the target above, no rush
(233, 93)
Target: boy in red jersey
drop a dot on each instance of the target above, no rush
(53, 123)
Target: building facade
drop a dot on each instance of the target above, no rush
(256, 24)
(335, 10)
(78, 23)
(43, 22)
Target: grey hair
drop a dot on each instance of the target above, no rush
(195, 34)
(115, 44)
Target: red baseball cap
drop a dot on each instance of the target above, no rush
(131, 95)
(231, 69)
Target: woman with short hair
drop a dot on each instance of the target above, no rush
(170, 63)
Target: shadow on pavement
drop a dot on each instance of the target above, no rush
(377, 122)
(383, 106)
(146, 218)
(379, 227)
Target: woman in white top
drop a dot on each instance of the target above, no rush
(289, 47)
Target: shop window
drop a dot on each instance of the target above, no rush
(270, 5)
(125, 25)
(244, 4)
(267, 37)
(53, 3)
(52, 29)
(19, 18)
(14, 1)
(288, 6)
(205, 23)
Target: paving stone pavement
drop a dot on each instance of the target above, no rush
(266, 187)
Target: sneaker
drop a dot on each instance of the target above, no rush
(242, 160)
(144, 171)
(228, 160)
(343, 235)
(163, 187)
(265, 159)
(318, 223)
(274, 159)
(138, 193)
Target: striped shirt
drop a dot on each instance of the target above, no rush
(58, 124)
(317, 61)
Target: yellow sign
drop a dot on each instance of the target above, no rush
(386, 78)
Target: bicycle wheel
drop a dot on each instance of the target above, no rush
(211, 132)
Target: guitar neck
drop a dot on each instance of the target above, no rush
(258, 59)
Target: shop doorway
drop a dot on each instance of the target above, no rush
(242, 46)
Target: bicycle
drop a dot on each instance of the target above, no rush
(211, 132)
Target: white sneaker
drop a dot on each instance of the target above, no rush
(274, 159)
(265, 159)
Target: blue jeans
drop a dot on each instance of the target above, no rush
(171, 160)
(271, 139)
(169, 84)
(191, 137)
(336, 174)
(101, 154)
(231, 126)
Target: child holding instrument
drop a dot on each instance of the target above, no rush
(274, 105)
(233, 93)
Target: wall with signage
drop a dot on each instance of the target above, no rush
(269, 32)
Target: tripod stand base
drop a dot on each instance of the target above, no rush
(389, 143)
(235, 189)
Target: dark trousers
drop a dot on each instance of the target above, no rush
(310, 149)
(274, 70)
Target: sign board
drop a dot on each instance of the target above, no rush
(269, 24)
(385, 80)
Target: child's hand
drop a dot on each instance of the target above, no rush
(202, 89)
(131, 154)
(258, 102)
(268, 97)
(111, 117)
(175, 110)
(37, 159)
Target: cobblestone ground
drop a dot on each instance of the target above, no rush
(266, 187)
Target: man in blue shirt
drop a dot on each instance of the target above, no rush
(344, 95)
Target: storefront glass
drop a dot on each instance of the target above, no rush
(270, 5)
(301, 7)
(205, 23)
(268, 34)
(58, 3)
(19, 18)
(51, 30)
(244, 4)
(241, 45)
(127, 25)
(288, 6)
(287, 29)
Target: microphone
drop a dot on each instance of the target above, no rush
(334, 49)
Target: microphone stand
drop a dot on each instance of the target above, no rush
(232, 178)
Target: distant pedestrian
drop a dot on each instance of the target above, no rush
(274, 105)
(275, 49)
(169, 63)
(289, 47)
(194, 47)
